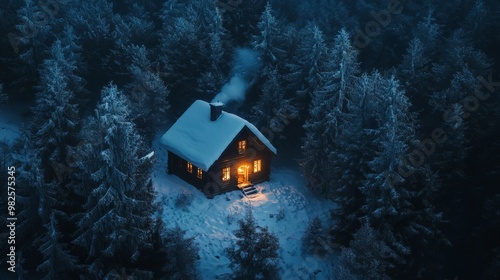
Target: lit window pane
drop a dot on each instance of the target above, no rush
(226, 174)
(242, 146)
(257, 165)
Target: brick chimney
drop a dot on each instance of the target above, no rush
(215, 110)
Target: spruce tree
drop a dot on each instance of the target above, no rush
(383, 186)
(35, 29)
(256, 253)
(313, 232)
(317, 66)
(365, 258)
(147, 90)
(325, 128)
(56, 117)
(57, 261)
(117, 184)
(456, 75)
(356, 149)
(267, 42)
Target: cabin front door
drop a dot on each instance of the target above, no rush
(243, 174)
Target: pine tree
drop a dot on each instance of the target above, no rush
(135, 27)
(267, 42)
(385, 196)
(315, 66)
(457, 77)
(414, 70)
(72, 61)
(255, 256)
(118, 189)
(356, 150)
(365, 258)
(56, 115)
(310, 239)
(214, 48)
(272, 110)
(147, 90)
(181, 55)
(57, 261)
(93, 20)
(182, 255)
(172, 255)
(240, 18)
(310, 63)
(34, 26)
(398, 194)
(328, 107)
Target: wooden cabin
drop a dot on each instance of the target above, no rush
(217, 151)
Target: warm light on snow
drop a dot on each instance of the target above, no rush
(212, 221)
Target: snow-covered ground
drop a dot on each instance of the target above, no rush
(212, 221)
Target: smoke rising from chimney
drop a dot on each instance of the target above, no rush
(245, 67)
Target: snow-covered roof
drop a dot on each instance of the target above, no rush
(200, 141)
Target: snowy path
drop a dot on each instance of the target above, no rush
(212, 221)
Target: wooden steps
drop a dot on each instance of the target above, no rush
(249, 190)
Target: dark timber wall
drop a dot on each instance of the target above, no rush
(211, 183)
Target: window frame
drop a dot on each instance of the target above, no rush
(189, 167)
(257, 165)
(199, 173)
(226, 174)
(242, 146)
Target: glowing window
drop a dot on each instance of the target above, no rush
(200, 173)
(226, 174)
(189, 167)
(242, 146)
(257, 165)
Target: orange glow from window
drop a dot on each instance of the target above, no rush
(242, 146)
(226, 174)
(257, 165)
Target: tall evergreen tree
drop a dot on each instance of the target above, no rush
(118, 188)
(325, 128)
(457, 77)
(215, 47)
(147, 90)
(56, 119)
(356, 150)
(35, 37)
(365, 258)
(313, 69)
(272, 110)
(399, 195)
(240, 18)
(181, 55)
(57, 261)
(310, 64)
(385, 196)
(93, 21)
(267, 42)
(255, 256)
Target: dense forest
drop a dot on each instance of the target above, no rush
(390, 108)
